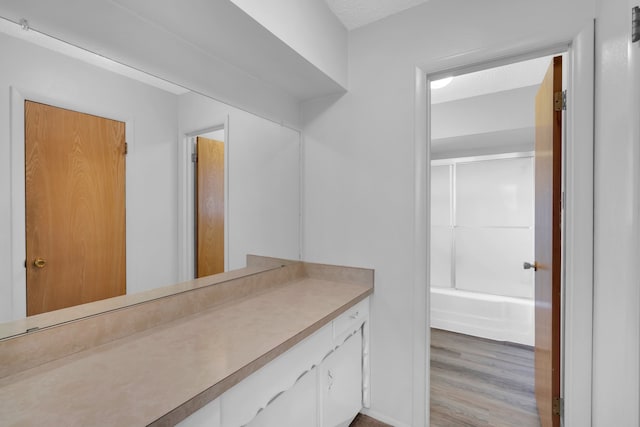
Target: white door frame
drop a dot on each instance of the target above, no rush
(18, 96)
(577, 319)
(186, 200)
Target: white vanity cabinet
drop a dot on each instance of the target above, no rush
(318, 382)
(340, 378)
(275, 383)
(340, 375)
(293, 408)
(256, 347)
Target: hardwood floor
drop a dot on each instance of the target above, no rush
(477, 382)
(362, 420)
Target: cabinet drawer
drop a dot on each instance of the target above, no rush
(351, 319)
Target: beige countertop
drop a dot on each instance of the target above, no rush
(139, 379)
(56, 317)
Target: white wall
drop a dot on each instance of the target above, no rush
(308, 27)
(263, 178)
(500, 111)
(151, 187)
(617, 216)
(473, 124)
(358, 149)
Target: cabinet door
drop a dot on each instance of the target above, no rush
(294, 408)
(341, 383)
(241, 402)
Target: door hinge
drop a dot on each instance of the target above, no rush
(557, 406)
(126, 148)
(194, 157)
(560, 100)
(635, 24)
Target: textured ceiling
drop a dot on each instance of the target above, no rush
(356, 13)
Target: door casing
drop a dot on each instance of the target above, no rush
(577, 317)
(186, 200)
(18, 95)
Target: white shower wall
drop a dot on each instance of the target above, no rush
(481, 233)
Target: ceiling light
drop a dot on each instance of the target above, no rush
(437, 84)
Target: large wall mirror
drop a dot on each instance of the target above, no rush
(259, 198)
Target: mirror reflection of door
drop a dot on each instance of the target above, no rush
(209, 206)
(75, 208)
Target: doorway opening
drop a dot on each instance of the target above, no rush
(206, 216)
(483, 231)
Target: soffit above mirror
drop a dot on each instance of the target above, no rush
(209, 47)
(358, 13)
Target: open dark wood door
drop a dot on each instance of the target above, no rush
(548, 198)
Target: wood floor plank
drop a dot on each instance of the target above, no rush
(477, 382)
(362, 420)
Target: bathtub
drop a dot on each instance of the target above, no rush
(489, 316)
